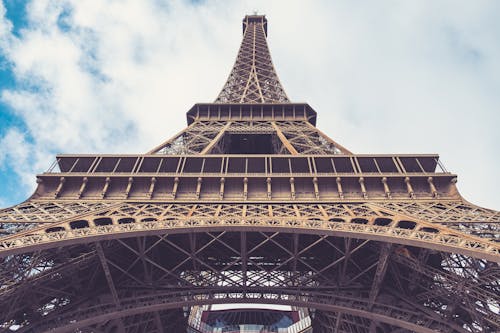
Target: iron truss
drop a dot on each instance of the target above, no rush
(253, 78)
(361, 220)
(104, 282)
(251, 203)
(291, 137)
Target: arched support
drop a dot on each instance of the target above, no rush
(403, 234)
(330, 302)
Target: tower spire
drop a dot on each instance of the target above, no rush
(253, 78)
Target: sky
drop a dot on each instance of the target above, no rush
(108, 76)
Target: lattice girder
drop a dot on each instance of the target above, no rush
(137, 268)
(253, 78)
(202, 137)
(359, 220)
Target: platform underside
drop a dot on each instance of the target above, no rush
(358, 266)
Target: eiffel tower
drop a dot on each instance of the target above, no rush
(250, 203)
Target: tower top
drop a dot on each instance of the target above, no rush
(253, 78)
(259, 19)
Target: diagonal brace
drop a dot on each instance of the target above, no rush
(383, 261)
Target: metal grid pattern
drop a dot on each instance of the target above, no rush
(380, 243)
(253, 78)
(387, 285)
(205, 137)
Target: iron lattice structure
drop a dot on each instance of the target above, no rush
(249, 203)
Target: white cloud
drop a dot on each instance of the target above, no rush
(15, 149)
(385, 77)
(11, 146)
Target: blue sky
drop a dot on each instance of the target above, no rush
(8, 178)
(10, 189)
(118, 76)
